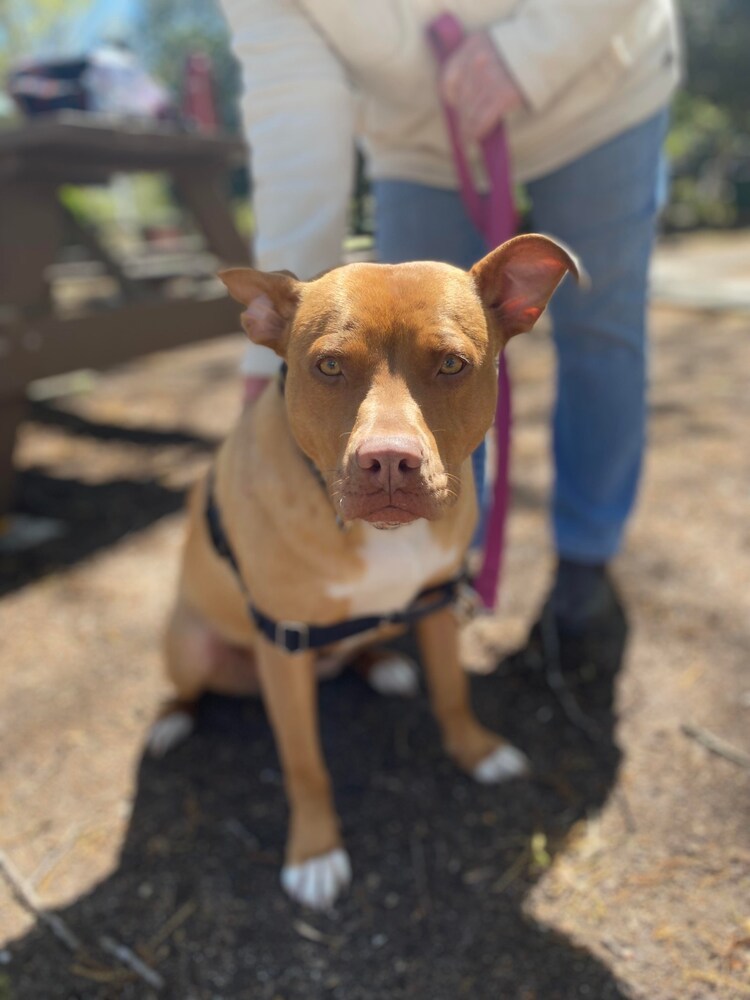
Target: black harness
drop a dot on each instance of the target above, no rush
(295, 637)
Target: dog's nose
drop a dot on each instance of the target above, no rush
(391, 462)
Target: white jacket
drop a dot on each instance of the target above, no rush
(319, 74)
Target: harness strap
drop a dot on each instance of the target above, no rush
(294, 636)
(297, 636)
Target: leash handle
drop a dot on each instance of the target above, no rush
(445, 34)
(495, 217)
(494, 214)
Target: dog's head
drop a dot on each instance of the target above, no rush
(392, 377)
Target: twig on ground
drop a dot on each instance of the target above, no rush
(716, 979)
(176, 920)
(419, 869)
(26, 897)
(311, 933)
(236, 828)
(49, 862)
(130, 960)
(627, 813)
(308, 932)
(99, 975)
(513, 871)
(715, 744)
(251, 842)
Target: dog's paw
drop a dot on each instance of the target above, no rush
(395, 674)
(502, 764)
(317, 883)
(168, 731)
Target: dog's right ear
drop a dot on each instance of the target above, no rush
(270, 298)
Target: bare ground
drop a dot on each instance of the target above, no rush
(621, 870)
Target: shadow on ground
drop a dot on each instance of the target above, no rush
(94, 515)
(441, 866)
(72, 423)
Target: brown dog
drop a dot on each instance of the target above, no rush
(391, 385)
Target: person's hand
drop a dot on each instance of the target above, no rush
(477, 84)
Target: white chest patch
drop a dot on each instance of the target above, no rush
(397, 565)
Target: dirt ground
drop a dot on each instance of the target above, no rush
(621, 870)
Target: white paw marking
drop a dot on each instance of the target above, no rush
(168, 731)
(501, 765)
(394, 675)
(316, 883)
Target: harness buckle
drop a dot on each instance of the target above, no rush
(466, 602)
(292, 636)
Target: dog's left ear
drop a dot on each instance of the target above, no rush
(271, 299)
(516, 281)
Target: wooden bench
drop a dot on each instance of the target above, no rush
(38, 157)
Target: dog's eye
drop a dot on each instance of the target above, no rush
(330, 366)
(452, 365)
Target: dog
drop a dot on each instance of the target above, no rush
(344, 496)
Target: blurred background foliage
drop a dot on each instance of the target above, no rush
(708, 145)
(194, 25)
(27, 26)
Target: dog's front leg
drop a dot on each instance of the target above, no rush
(478, 751)
(317, 867)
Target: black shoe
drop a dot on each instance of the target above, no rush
(578, 641)
(583, 599)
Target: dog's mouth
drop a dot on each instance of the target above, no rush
(391, 517)
(384, 510)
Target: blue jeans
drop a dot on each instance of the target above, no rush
(604, 206)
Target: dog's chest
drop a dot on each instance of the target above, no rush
(396, 566)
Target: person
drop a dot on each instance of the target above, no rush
(583, 88)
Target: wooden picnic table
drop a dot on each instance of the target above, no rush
(36, 158)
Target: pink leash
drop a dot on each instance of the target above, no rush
(495, 217)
